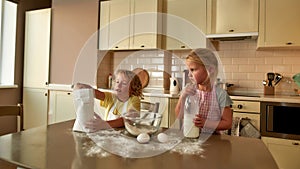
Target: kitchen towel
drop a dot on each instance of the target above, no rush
(84, 106)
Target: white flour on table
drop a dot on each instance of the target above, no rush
(190, 147)
(123, 145)
(116, 142)
(107, 142)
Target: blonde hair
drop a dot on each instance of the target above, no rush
(135, 87)
(204, 57)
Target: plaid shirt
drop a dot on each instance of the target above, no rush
(209, 106)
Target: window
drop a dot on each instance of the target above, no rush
(8, 22)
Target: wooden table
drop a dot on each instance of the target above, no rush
(57, 147)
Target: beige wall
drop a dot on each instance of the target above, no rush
(74, 22)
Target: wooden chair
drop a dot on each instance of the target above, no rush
(13, 110)
(149, 107)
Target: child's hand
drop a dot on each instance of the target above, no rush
(199, 121)
(189, 91)
(81, 86)
(96, 124)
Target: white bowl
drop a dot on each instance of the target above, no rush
(142, 122)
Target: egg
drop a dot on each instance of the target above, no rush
(162, 137)
(143, 138)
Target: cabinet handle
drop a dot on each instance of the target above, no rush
(289, 43)
(231, 30)
(68, 93)
(117, 47)
(239, 106)
(142, 46)
(295, 143)
(46, 83)
(182, 46)
(46, 94)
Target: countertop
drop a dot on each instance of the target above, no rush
(147, 92)
(150, 93)
(235, 96)
(57, 146)
(268, 98)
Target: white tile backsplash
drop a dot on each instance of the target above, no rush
(244, 66)
(254, 64)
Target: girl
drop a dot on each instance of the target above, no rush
(214, 112)
(125, 97)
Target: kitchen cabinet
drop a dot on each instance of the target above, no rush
(36, 67)
(232, 16)
(130, 24)
(172, 116)
(279, 23)
(36, 48)
(104, 25)
(185, 24)
(285, 152)
(35, 108)
(166, 108)
(246, 110)
(118, 23)
(61, 106)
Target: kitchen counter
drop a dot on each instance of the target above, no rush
(60, 87)
(151, 93)
(268, 98)
(234, 96)
(147, 92)
(56, 146)
(175, 96)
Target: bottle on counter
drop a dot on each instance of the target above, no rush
(109, 83)
(191, 108)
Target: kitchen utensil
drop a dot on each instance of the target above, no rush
(297, 91)
(264, 82)
(296, 79)
(174, 85)
(224, 85)
(278, 78)
(270, 77)
(143, 75)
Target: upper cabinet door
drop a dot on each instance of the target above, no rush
(279, 23)
(104, 26)
(147, 24)
(185, 24)
(232, 16)
(130, 24)
(119, 24)
(37, 48)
